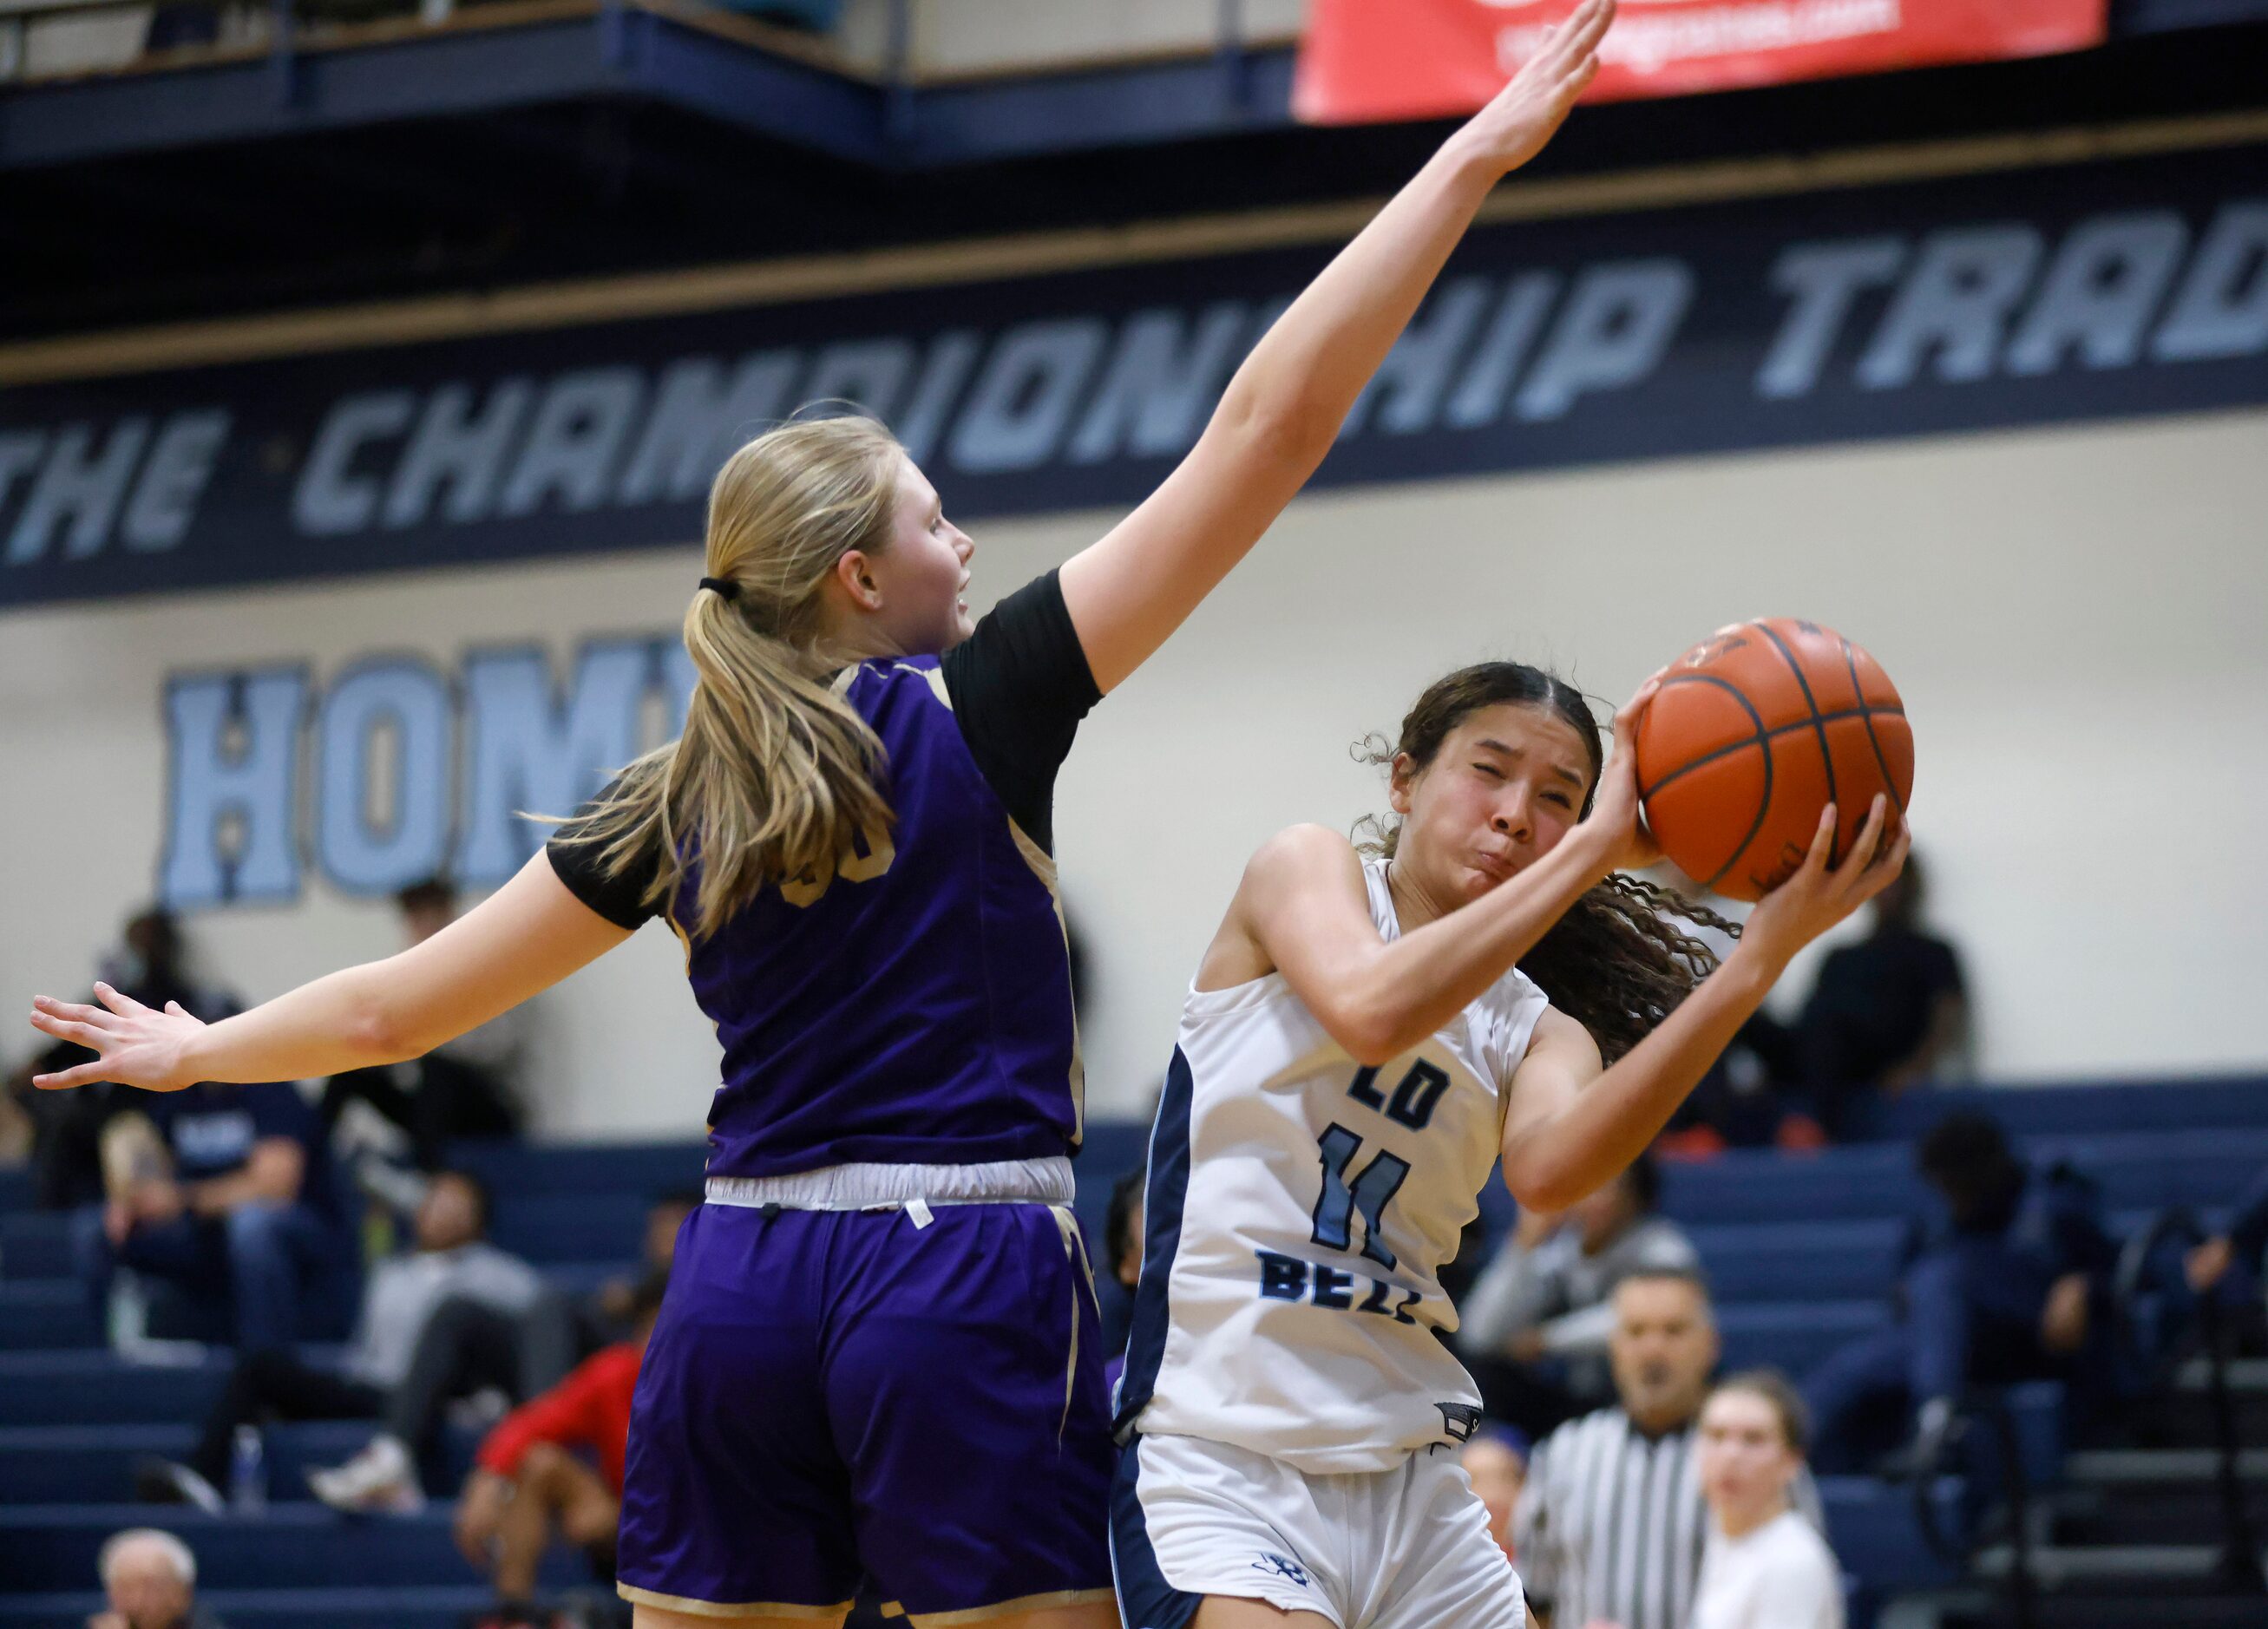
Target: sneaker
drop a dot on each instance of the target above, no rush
(480, 1411)
(1938, 1435)
(1800, 1133)
(1694, 1144)
(380, 1479)
(168, 1482)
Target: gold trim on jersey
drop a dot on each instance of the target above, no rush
(698, 1607)
(1043, 867)
(982, 1614)
(1074, 1243)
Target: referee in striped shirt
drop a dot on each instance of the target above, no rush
(1610, 1525)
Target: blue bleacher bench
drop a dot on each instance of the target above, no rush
(295, 1547)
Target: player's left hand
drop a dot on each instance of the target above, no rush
(1819, 895)
(135, 1046)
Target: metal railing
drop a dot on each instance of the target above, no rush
(47, 39)
(42, 40)
(2239, 1565)
(1956, 1550)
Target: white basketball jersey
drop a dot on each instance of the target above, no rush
(1299, 1209)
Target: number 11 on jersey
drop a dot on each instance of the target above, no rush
(1369, 1193)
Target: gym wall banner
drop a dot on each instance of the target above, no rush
(2046, 295)
(1365, 61)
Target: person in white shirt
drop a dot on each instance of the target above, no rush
(1765, 1566)
(1534, 1327)
(451, 1258)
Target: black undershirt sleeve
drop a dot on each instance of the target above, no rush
(619, 899)
(1019, 685)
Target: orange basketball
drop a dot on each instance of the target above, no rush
(1753, 732)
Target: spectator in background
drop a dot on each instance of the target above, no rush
(152, 1580)
(1741, 1101)
(1886, 1012)
(451, 1258)
(2000, 1289)
(1121, 1250)
(1610, 1523)
(2241, 1247)
(474, 1343)
(1763, 1565)
(67, 1126)
(1496, 1459)
(464, 1088)
(1535, 1326)
(20, 1134)
(528, 1481)
(224, 1193)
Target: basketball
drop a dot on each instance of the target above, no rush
(1754, 731)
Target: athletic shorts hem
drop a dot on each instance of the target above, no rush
(1002, 1608)
(1237, 1589)
(693, 1607)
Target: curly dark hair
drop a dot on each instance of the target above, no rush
(1619, 961)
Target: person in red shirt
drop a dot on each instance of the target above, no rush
(528, 1481)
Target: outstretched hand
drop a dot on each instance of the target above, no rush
(1817, 896)
(1515, 127)
(135, 1046)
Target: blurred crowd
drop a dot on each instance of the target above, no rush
(1632, 1486)
(264, 1218)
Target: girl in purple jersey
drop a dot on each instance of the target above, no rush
(878, 1356)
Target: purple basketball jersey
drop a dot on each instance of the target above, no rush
(915, 1007)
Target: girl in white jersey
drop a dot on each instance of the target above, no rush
(1364, 1038)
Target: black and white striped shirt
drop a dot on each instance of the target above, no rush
(1611, 1525)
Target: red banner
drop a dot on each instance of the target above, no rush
(1372, 60)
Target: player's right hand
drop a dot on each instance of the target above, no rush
(1525, 114)
(135, 1046)
(1617, 819)
(1817, 896)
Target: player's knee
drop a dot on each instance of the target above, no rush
(591, 1521)
(543, 1466)
(256, 1223)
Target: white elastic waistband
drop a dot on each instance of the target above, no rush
(882, 1187)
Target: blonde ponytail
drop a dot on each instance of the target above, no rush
(776, 775)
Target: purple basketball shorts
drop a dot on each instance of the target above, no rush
(836, 1395)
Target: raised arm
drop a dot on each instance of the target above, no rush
(527, 935)
(1283, 407)
(1302, 910)
(1572, 1125)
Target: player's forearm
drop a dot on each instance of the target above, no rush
(339, 1022)
(1610, 1121)
(1309, 367)
(1425, 979)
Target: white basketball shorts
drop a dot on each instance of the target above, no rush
(1402, 1549)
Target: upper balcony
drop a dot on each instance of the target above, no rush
(170, 158)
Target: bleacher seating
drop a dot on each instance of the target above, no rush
(1800, 1249)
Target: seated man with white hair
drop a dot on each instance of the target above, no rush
(152, 1580)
